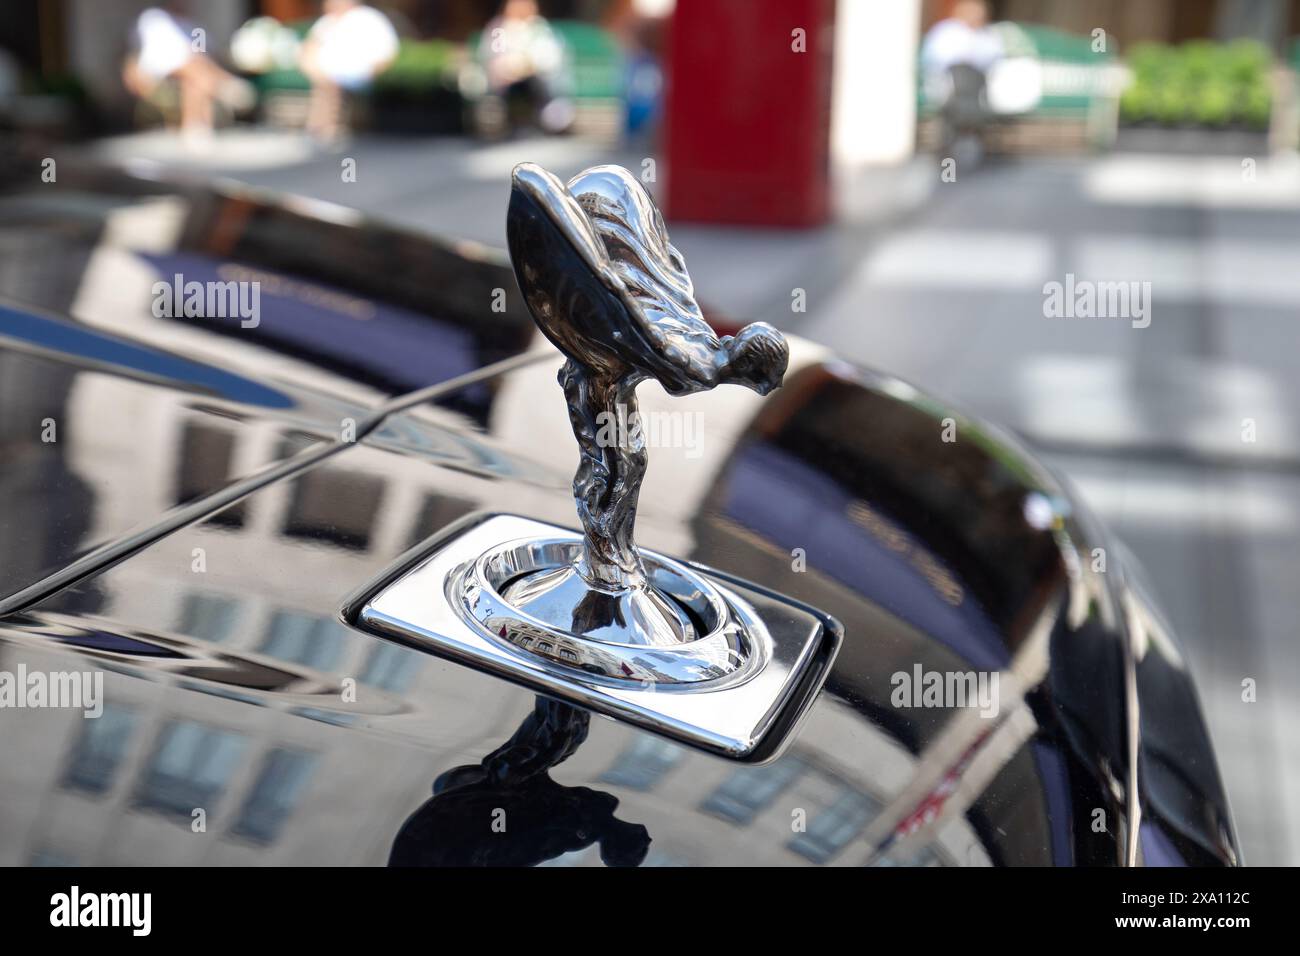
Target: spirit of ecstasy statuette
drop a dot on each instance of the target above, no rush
(606, 287)
(590, 618)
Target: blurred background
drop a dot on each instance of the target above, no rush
(896, 179)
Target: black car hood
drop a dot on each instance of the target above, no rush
(348, 305)
(236, 698)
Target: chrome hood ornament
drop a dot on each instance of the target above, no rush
(607, 288)
(591, 618)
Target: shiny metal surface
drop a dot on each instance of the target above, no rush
(606, 287)
(522, 575)
(724, 690)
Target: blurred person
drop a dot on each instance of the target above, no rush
(263, 44)
(963, 38)
(163, 49)
(524, 62)
(640, 37)
(344, 51)
(956, 56)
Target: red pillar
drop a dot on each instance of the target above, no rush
(747, 125)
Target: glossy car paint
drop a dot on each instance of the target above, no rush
(234, 687)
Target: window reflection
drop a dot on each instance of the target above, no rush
(436, 512)
(190, 768)
(99, 750)
(274, 795)
(206, 457)
(643, 763)
(390, 667)
(751, 789)
(305, 639)
(831, 830)
(926, 856)
(335, 506)
(47, 856)
(208, 616)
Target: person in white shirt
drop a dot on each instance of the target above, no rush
(345, 50)
(165, 49)
(523, 60)
(964, 38)
(956, 56)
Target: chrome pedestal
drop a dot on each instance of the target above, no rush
(676, 628)
(497, 592)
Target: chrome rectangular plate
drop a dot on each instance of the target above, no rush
(752, 720)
